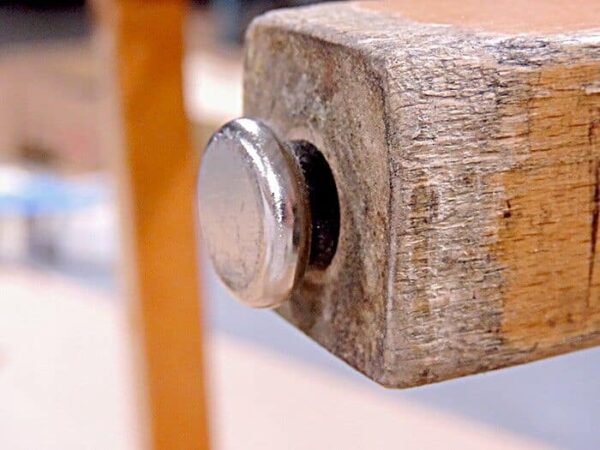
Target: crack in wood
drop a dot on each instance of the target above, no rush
(594, 237)
(595, 213)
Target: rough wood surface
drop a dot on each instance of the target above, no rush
(467, 162)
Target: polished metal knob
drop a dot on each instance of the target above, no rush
(257, 211)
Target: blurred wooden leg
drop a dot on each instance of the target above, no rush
(156, 169)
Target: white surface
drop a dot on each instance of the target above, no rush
(213, 88)
(65, 367)
(267, 401)
(66, 382)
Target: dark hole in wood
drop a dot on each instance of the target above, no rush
(324, 203)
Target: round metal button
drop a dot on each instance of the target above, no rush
(254, 213)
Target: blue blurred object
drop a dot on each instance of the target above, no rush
(45, 201)
(34, 194)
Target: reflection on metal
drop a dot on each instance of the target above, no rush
(253, 213)
(256, 211)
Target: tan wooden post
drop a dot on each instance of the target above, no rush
(156, 169)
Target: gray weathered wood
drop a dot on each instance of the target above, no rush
(467, 164)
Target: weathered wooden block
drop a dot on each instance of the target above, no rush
(466, 152)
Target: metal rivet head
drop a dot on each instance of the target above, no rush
(254, 212)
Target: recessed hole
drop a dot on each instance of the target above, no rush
(324, 203)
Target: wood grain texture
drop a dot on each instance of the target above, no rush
(155, 166)
(467, 164)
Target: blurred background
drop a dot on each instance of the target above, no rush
(66, 376)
